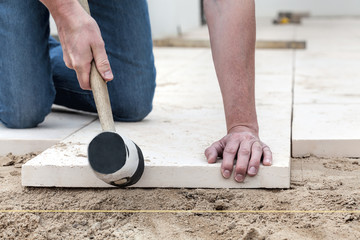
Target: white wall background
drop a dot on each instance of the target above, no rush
(269, 8)
(168, 17)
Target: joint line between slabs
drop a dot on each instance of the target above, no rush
(177, 211)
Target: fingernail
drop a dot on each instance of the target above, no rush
(226, 174)
(108, 74)
(252, 170)
(239, 178)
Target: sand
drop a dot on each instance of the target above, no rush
(316, 184)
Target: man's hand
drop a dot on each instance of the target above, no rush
(80, 39)
(243, 144)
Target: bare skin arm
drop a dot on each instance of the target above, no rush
(80, 39)
(232, 34)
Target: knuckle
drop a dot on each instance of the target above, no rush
(227, 166)
(240, 169)
(215, 144)
(207, 151)
(77, 66)
(103, 62)
(245, 152)
(68, 65)
(82, 85)
(267, 149)
(89, 23)
(256, 147)
(248, 138)
(231, 150)
(99, 43)
(236, 135)
(221, 143)
(80, 66)
(67, 62)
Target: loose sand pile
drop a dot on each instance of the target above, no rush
(317, 184)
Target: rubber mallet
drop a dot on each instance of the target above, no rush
(115, 159)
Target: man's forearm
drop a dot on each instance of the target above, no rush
(232, 35)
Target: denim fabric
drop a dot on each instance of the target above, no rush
(33, 74)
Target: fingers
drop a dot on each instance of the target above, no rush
(81, 63)
(254, 163)
(242, 160)
(229, 154)
(66, 59)
(101, 60)
(267, 156)
(248, 149)
(214, 151)
(83, 75)
(82, 43)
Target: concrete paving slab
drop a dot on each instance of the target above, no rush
(199, 87)
(274, 62)
(59, 124)
(187, 117)
(335, 64)
(326, 95)
(326, 90)
(326, 130)
(173, 144)
(266, 30)
(330, 34)
(168, 60)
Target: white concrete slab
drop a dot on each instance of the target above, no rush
(326, 91)
(326, 130)
(274, 62)
(59, 124)
(187, 118)
(173, 142)
(266, 30)
(168, 60)
(330, 34)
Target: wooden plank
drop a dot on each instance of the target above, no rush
(193, 43)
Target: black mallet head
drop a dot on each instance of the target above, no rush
(116, 160)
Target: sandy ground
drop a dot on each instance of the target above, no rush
(316, 184)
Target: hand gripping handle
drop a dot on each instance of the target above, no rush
(100, 91)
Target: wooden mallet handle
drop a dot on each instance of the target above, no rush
(100, 91)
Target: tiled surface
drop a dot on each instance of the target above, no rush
(326, 130)
(187, 118)
(266, 30)
(188, 114)
(59, 124)
(326, 92)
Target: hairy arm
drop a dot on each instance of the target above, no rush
(80, 39)
(232, 34)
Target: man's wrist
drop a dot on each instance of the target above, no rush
(253, 127)
(61, 9)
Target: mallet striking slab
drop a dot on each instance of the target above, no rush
(115, 159)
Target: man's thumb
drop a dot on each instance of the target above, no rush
(102, 63)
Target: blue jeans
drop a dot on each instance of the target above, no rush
(33, 74)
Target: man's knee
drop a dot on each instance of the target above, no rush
(134, 108)
(132, 113)
(136, 103)
(20, 117)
